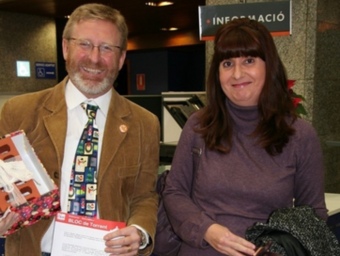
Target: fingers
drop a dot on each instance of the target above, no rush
(128, 250)
(238, 248)
(122, 242)
(224, 241)
(235, 246)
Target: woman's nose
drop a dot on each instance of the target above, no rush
(238, 71)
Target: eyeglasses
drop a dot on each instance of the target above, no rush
(88, 46)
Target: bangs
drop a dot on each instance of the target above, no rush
(238, 43)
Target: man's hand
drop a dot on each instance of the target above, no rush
(125, 241)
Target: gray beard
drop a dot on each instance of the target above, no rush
(91, 87)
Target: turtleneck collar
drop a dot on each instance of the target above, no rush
(245, 118)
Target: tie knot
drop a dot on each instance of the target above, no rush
(91, 110)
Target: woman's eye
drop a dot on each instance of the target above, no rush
(227, 64)
(250, 60)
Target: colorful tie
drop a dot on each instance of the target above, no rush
(83, 184)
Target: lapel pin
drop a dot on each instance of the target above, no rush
(123, 128)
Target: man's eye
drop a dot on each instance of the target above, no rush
(106, 48)
(85, 44)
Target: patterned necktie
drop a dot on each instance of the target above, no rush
(83, 185)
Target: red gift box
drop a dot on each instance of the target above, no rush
(40, 193)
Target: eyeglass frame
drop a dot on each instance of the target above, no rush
(87, 45)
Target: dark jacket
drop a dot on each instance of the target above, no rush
(295, 232)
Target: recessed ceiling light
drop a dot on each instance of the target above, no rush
(159, 3)
(169, 29)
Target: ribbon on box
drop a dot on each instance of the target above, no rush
(25, 187)
(11, 172)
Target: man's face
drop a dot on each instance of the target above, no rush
(93, 70)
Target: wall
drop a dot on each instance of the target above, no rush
(326, 90)
(25, 37)
(310, 55)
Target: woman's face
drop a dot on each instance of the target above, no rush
(242, 79)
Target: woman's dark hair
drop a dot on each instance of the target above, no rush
(248, 38)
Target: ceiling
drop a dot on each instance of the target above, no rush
(141, 19)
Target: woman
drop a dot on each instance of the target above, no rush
(246, 153)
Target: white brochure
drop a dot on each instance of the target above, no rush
(80, 235)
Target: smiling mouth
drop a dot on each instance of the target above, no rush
(92, 70)
(240, 85)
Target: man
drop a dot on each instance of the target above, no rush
(94, 48)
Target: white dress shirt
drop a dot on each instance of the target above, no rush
(76, 121)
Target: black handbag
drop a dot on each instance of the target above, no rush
(167, 243)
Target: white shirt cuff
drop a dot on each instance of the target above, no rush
(146, 235)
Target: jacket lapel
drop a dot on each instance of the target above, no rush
(116, 129)
(56, 120)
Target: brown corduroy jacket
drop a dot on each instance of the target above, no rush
(128, 165)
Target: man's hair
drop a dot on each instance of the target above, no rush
(99, 12)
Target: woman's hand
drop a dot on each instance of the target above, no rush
(224, 241)
(8, 222)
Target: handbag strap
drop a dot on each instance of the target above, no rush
(196, 152)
